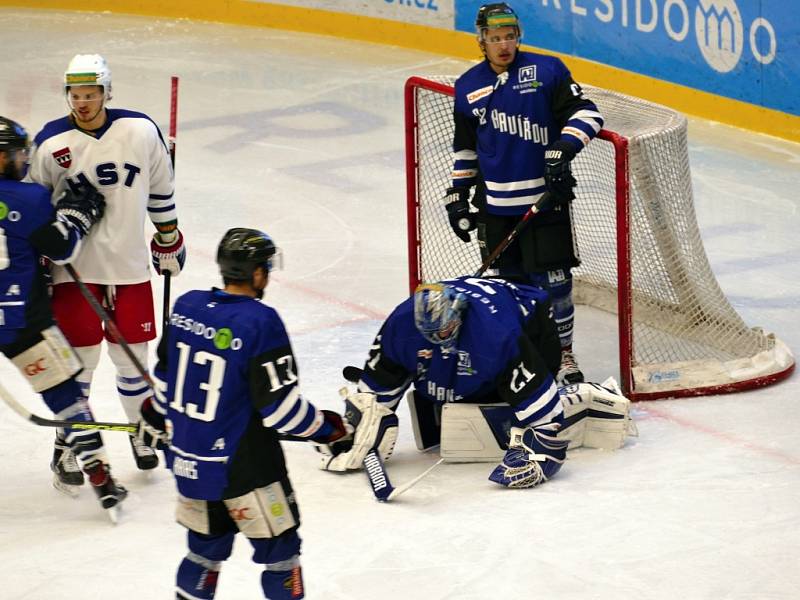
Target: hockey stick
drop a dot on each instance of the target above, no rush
(376, 471)
(37, 420)
(379, 479)
(112, 328)
(130, 428)
(173, 133)
(535, 208)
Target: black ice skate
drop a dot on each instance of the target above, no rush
(145, 457)
(108, 491)
(568, 372)
(67, 475)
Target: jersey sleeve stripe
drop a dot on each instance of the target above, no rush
(161, 196)
(277, 412)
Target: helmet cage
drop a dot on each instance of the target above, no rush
(438, 310)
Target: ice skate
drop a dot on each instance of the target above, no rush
(568, 372)
(108, 491)
(67, 475)
(145, 457)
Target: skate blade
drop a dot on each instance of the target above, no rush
(71, 491)
(113, 514)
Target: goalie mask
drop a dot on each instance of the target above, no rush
(438, 311)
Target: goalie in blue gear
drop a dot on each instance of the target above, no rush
(468, 341)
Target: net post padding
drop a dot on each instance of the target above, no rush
(642, 256)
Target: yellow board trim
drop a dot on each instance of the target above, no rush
(449, 43)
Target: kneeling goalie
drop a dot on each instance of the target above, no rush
(482, 354)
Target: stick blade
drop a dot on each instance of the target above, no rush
(377, 476)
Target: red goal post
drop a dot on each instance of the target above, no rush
(642, 256)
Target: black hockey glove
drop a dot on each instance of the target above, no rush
(558, 173)
(151, 428)
(461, 220)
(82, 209)
(334, 436)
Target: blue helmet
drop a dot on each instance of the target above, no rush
(438, 311)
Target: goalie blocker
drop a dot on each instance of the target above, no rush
(595, 416)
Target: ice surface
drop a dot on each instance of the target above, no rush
(303, 136)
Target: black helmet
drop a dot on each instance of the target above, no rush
(242, 251)
(498, 14)
(12, 135)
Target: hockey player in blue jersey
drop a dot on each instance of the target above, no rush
(30, 227)
(232, 387)
(471, 341)
(519, 121)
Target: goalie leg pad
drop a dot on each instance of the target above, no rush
(375, 427)
(475, 432)
(596, 415)
(426, 421)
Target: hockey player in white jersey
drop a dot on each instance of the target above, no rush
(31, 228)
(123, 155)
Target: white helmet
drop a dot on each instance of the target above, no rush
(88, 69)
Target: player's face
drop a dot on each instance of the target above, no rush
(500, 46)
(14, 164)
(86, 102)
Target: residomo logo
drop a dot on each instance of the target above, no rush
(720, 33)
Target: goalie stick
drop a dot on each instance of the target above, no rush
(376, 471)
(379, 479)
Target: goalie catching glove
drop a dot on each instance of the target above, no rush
(168, 252)
(375, 427)
(534, 455)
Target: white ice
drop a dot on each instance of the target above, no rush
(302, 136)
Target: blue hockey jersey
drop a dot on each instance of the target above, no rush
(28, 229)
(231, 385)
(507, 351)
(504, 123)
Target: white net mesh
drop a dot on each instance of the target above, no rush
(685, 334)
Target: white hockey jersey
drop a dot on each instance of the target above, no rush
(127, 161)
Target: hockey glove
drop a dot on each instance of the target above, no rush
(557, 171)
(461, 219)
(375, 427)
(334, 436)
(534, 455)
(82, 209)
(152, 427)
(168, 252)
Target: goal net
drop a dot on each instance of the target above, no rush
(642, 256)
